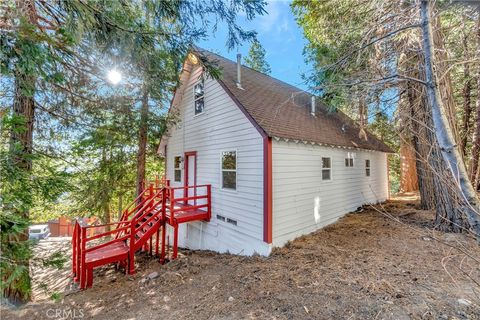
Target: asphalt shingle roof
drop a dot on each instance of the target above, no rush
(283, 111)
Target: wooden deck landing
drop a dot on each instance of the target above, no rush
(185, 214)
(111, 253)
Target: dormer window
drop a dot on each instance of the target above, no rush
(199, 97)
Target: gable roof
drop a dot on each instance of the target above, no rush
(283, 111)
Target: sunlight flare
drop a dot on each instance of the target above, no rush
(114, 77)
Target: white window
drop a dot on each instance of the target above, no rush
(199, 97)
(367, 168)
(177, 165)
(326, 168)
(229, 170)
(349, 160)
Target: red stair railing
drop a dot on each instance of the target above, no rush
(180, 205)
(140, 220)
(144, 235)
(185, 199)
(124, 231)
(138, 202)
(80, 247)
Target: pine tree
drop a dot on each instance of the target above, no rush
(256, 58)
(52, 75)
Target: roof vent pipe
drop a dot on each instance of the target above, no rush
(239, 71)
(312, 106)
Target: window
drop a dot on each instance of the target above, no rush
(326, 169)
(198, 97)
(367, 168)
(229, 170)
(349, 160)
(177, 162)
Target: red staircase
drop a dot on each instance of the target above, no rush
(138, 229)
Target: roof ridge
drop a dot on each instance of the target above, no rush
(266, 93)
(262, 73)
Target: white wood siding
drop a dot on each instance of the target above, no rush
(221, 127)
(303, 202)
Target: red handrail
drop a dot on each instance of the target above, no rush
(135, 201)
(124, 230)
(104, 234)
(188, 187)
(138, 208)
(105, 244)
(185, 199)
(191, 198)
(106, 224)
(142, 212)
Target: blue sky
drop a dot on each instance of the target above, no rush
(279, 34)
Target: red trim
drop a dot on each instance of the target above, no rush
(165, 157)
(185, 183)
(267, 168)
(267, 190)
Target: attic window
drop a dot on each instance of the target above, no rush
(199, 97)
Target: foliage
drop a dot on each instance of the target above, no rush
(82, 158)
(256, 58)
(19, 190)
(384, 128)
(56, 260)
(334, 29)
(56, 296)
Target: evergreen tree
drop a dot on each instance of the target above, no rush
(256, 58)
(53, 57)
(363, 50)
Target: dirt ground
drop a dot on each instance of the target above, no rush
(382, 263)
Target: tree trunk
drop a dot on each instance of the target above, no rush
(20, 152)
(476, 135)
(142, 142)
(408, 167)
(467, 101)
(21, 134)
(444, 87)
(476, 145)
(120, 206)
(362, 110)
(414, 117)
(467, 200)
(107, 215)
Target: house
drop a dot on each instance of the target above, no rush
(280, 164)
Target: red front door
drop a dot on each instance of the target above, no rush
(190, 174)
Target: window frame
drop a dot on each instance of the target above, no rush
(229, 170)
(179, 168)
(202, 81)
(329, 168)
(368, 168)
(350, 160)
